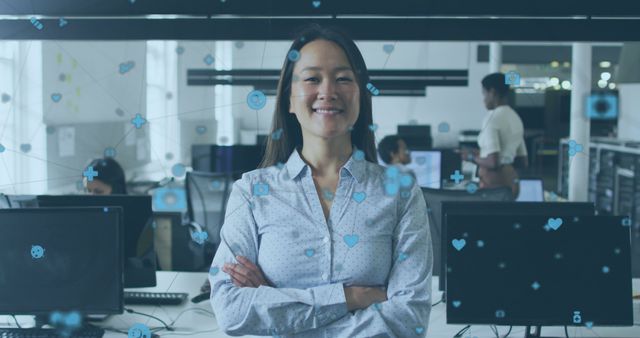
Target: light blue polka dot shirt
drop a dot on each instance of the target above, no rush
(377, 235)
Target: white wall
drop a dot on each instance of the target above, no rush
(629, 119)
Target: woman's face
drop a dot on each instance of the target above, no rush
(97, 187)
(325, 95)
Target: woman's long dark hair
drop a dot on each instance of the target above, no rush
(111, 173)
(278, 151)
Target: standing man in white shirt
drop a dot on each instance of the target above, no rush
(501, 140)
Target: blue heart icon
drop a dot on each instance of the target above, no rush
(125, 67)
(373, 127)
(201, 130)
(351, 240)
(456, 303)
(554, 223)
(309, 252)
(443, 127)
(403, 256)
(62, 22)
(588, 324)
(419, 329)
(25, 147)
(459, 243)
(214, 270)
(316, 4)
(359, 196)
(56, 97)
(388, 48)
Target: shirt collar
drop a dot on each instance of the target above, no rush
(353, 167)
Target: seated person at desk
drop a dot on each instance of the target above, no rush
(501, 139)
(393, 151)
(311, 246)
(110, 179)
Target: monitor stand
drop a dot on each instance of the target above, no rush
(535, 332)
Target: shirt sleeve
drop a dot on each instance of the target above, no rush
(408, 306)
(489, 140)
(522, 149)
(263, 310)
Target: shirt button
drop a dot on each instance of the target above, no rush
(325, 276)
(325, 239)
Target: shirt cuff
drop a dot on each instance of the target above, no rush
(331, 303)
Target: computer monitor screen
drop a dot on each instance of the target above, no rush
(140, 260)
(61, 259)
(426, 165)
(504, 208)
(225, 159)
(531, 190)
(538, 270)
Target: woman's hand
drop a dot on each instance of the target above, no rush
(245, 274)
(359, 297)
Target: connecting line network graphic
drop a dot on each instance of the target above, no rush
(396, 184)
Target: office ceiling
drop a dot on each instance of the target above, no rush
(403, 20)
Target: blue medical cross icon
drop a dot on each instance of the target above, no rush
(456, 176)
(90, 173)
(138, 121)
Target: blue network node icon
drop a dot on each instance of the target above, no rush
(138, 121)
(90, 174)
(512, 79)
(256, 100)
(139, 331)
(260, 189)
(37, 251)
(602, 107)
(169, 199)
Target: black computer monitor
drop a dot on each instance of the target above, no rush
(539, 270)
(417, 137)
(504, 208)
(61, 259)
(140, 259)
(234, 159)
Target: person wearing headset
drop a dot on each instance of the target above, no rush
(110, 179)
(313, 243)
(501, 139)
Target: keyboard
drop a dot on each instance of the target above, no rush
(86, 332)
(154, 298)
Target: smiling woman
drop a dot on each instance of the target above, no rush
(312, 245)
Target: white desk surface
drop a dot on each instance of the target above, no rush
(196, 322)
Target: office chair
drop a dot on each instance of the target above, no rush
(207, 195)
(434, 199)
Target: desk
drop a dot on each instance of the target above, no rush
(195, 322)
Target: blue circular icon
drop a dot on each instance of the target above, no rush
(406, 180)
(201, 129)
(178, 170)
(472, 188)
(139, 331)
(392, 171)
(37, 251)
(256, 100)
(110, 152)
(358, 155)
(179, 50)
(293, 55)
(443, 127)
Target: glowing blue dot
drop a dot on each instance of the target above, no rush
(392, 171)
(406, 180)
(178, 170)
(256, 100)
(110, 152)
(358, 155)
(293, 55)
